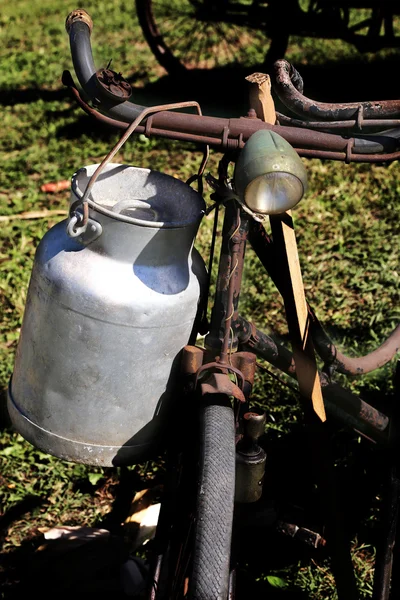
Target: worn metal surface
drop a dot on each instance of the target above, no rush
(250, 470)
(243, 364)
(349, 156)
(354, 412)
(246, 363)
(250, 459)
(310, 109)
(114, 85)
(349, 365)
(224, 134)
(311, 538)
(219, 383)
(105, 322)
(236, 132)
(251, 338)
(262, 345)
(356, 124)
(192, 359)
(235, 261)
(78, 15)
(254, 424)
(221, 338)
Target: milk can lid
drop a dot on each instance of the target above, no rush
(140, 196)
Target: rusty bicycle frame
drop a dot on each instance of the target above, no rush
(232, 342)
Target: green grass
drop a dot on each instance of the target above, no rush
(347, 229)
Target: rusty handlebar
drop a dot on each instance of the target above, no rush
(290, 92)
(110, 95)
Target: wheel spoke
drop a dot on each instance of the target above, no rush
(209, 38)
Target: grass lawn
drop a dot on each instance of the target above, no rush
(348, 236)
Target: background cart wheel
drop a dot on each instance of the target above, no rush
(216, 34)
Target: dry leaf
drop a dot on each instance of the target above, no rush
(58, 186)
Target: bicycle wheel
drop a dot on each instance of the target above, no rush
(195, 527)
(191, 34)
(214, 512)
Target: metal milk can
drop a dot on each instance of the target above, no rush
(106, 317)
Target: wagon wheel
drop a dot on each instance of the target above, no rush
(369, 25)
(190, 34)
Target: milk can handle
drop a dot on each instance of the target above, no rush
(78, 220)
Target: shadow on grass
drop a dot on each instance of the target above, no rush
(290, 493)
(49, 569)
(87, 569)
(224, 92)
(27, 505)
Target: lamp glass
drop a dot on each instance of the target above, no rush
(273, 193)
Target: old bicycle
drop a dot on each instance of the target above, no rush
(193, 552)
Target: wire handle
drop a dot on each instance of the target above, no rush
(80, 220)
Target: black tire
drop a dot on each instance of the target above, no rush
(195, 34)
(194, 531)
(215, 500)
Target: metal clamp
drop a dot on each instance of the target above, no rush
(73, 229)
(86, 233)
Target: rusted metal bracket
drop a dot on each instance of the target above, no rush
(242, 364)
(219, 383)
(113, 85)
(214, 383)
(223, 368)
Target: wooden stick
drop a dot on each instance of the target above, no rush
(260, 97)
(36, 214)
(296, 312)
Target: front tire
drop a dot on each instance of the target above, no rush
(215, 500)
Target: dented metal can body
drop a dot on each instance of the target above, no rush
(106, 317)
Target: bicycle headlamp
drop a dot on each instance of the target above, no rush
(269, 176)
